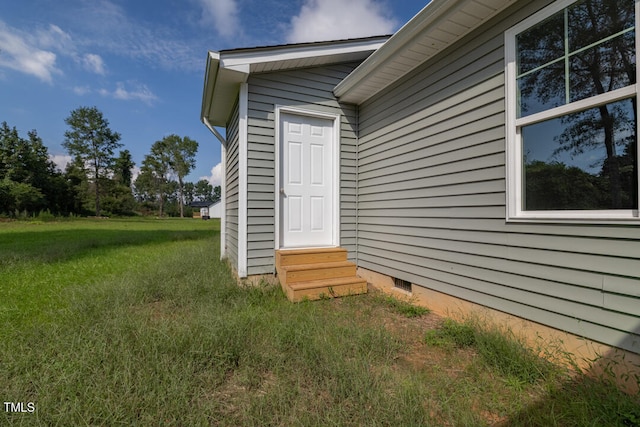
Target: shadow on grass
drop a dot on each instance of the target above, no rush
(607, 393)
(583, 401)
(49, 246)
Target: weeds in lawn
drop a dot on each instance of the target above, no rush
(400, 306)
(572, 398)
(498, 348)
(158, 332)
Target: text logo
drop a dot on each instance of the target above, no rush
(28, 407)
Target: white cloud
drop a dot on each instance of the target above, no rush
(81, 90)
(224, 14)
(339, 19)
(61, 160)
(106, 26)
(20, 52)
(93, 63)
(215, 178)
(36, 53)
(139, 92)
(56, 39)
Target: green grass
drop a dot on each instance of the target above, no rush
(400, 306)
(498, 349)
(39, 260)
(139, 323)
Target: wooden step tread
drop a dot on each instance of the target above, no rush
(339, 281)
(310, 251)
(317, 266)
(309, 256)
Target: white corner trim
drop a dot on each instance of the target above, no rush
(243, 149)
(276, 172)
(279, 109)
(223, 202)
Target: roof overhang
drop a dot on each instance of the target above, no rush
(227, 69)
(437, 26)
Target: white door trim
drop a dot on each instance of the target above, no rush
(280, 109)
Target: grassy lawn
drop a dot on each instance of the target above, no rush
(137, 322)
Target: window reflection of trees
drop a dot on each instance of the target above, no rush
(583, 51)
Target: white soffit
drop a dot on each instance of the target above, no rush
(227, 69)
(437, 26)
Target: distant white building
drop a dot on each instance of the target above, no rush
(215, 210)
(207, 209)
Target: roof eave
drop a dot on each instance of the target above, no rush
(226, 70)
(220, 89)
(429, 19)
(210, 75)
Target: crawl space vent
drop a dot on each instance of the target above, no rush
(401, 284)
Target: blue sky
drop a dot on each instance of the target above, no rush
(141, 62)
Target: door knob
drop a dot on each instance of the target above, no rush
(282, 191)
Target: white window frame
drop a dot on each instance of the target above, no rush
(514, 125)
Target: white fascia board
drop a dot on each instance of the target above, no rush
(241, 59)
(227, 70)
(224, 94)
(210, 78)
(220, 90)
(428, 15)
(239, 68)
(428, 19)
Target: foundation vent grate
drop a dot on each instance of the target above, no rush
(401, 284)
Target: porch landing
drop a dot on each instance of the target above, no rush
(317, 273)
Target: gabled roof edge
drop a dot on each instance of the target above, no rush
(432, 15)
(225, 70)
(210, 75)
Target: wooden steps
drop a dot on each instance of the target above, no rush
(317, 273)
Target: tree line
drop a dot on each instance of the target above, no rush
(99, 178)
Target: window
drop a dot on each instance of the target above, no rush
(572, 112)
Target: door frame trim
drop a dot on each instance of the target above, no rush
(335, 118)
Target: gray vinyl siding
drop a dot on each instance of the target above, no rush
(310, 89)
(432, 196)
(231, 192)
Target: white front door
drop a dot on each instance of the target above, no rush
(306, 180)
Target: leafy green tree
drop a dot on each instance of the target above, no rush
(92, 143)
(20, 197)
(77, 182)
(555, 186)
(30, 180)
(189, 191)
(119, 198)
(153, 181)
(123, 168)
(181, 153)
(203, 191)
(173, 206)
(608, 65)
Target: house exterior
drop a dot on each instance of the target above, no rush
(478, 156)
(255, 93)
(206, 209)
(215, 209)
